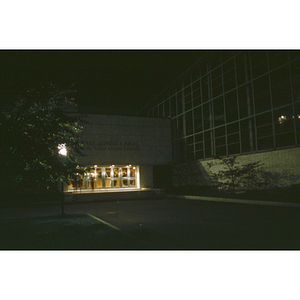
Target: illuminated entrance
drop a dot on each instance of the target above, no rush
(107, 177)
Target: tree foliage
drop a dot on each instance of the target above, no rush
(32, 127)
(231, 176)
(235, 176)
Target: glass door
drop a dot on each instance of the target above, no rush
(125, 182)
(98, 183)
(132, 178)
(106, 177)
(90, 178)
(116, 177)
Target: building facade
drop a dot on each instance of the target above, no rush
(241, 103)
(121, 151)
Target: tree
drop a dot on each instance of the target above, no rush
(32, 127)
(234, 176)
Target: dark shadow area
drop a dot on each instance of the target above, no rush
(286, 194)
(72, 232)
(163, 224)
(192, 179)
(12, 199)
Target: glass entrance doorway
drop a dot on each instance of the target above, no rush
(107, 177)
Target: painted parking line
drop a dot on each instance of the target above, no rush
(131, 236)
(102, 221)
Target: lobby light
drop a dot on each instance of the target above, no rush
(281, 119)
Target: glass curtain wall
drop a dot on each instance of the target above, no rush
(233, 102)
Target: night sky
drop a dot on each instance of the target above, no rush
(115, 80)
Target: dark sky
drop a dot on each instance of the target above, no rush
(117, 80)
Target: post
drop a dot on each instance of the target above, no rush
(63, 152)
(62, 199)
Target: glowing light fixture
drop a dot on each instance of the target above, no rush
(281, 119)
(62, 149)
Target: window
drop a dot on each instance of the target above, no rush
(208, 139)
(265, 143)
(277, 59)
(180, 103)
(284, 127)
(189, 123)
(219, 115)
(99, 177)
(233, 128)
(233, 148)
(247, 135)
(217, 86)
(198, 119)
(242, 68)
(180, 127)
(204, 90)
(264, 119)
(262, 97)
(229, 80)
(220, 131)
(227, 55)
(231, 107)
(281, 88)
(167, 108)
(258, 57)
(245, 101)
(297, 121)
(207, 115)
(259, 63)
(173, 106)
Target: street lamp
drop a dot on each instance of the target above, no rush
(62, 149)
(63, 152)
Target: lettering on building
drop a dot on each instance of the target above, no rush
(90, 145)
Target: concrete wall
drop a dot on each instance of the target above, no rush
(146, 176)
(284, 163)
(124, 140)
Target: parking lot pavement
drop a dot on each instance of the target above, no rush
(172, 223)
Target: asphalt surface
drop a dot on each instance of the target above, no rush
(182, 224)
